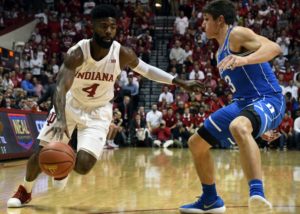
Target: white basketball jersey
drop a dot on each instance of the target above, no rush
(93, 85)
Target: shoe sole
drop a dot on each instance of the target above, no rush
(258, 204)
(216, 210)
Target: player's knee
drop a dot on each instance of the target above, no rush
(84, 162)
(192, 142)
(197, 144)
(241, 126)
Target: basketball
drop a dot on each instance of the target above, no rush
(57, 159)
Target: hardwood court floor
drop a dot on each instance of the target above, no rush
(154, 181)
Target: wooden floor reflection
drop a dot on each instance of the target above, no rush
(154, 181)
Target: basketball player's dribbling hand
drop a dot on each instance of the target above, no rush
(231, 62)
(193, 86)
(58, 129)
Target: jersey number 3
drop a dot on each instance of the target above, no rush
(231, 86)
(91, 90)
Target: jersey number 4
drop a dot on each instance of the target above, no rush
(91, 90)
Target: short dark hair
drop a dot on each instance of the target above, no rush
(103, 11)
(217, 8)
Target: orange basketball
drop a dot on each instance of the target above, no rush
(57, 159)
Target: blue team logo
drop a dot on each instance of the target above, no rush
(21, 130)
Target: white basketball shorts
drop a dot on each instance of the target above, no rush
(92, 126)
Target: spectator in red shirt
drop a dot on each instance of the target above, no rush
(170, 119)
(286, 130)
(54, 43)
(163, 134)
(215, 103)
(19, 75)
(288, 75)
(188, 120)
(53, 24)
(42, 26)
(124, 22)
(200, 117)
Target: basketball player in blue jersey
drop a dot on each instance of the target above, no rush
(259, 106)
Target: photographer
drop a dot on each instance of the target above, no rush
(163, 134)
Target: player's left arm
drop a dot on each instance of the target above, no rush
(129, 58)
(263, 49)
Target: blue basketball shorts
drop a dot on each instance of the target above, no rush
(270, 109)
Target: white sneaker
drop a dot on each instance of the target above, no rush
(59, 184)
(113, 145)
(157, 143)
(168, 143)
(258, 204)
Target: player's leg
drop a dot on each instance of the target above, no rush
(242, 129)
(23, 194)
(113, 130)
(209, 202)
(214, 129)
(84, 162)
(110, 132)
(92, 138)
(253, 121)
(91, 142)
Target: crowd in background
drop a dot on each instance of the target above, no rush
(177, 113)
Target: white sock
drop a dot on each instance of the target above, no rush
(28, 185)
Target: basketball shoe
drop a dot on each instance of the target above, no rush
(60, 183)
(199, 207)
(20, 198)
(258, 204)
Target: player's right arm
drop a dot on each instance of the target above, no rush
(65, 78)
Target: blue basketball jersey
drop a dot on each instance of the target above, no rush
(248, 81)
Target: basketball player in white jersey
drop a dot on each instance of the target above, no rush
(82, 97)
